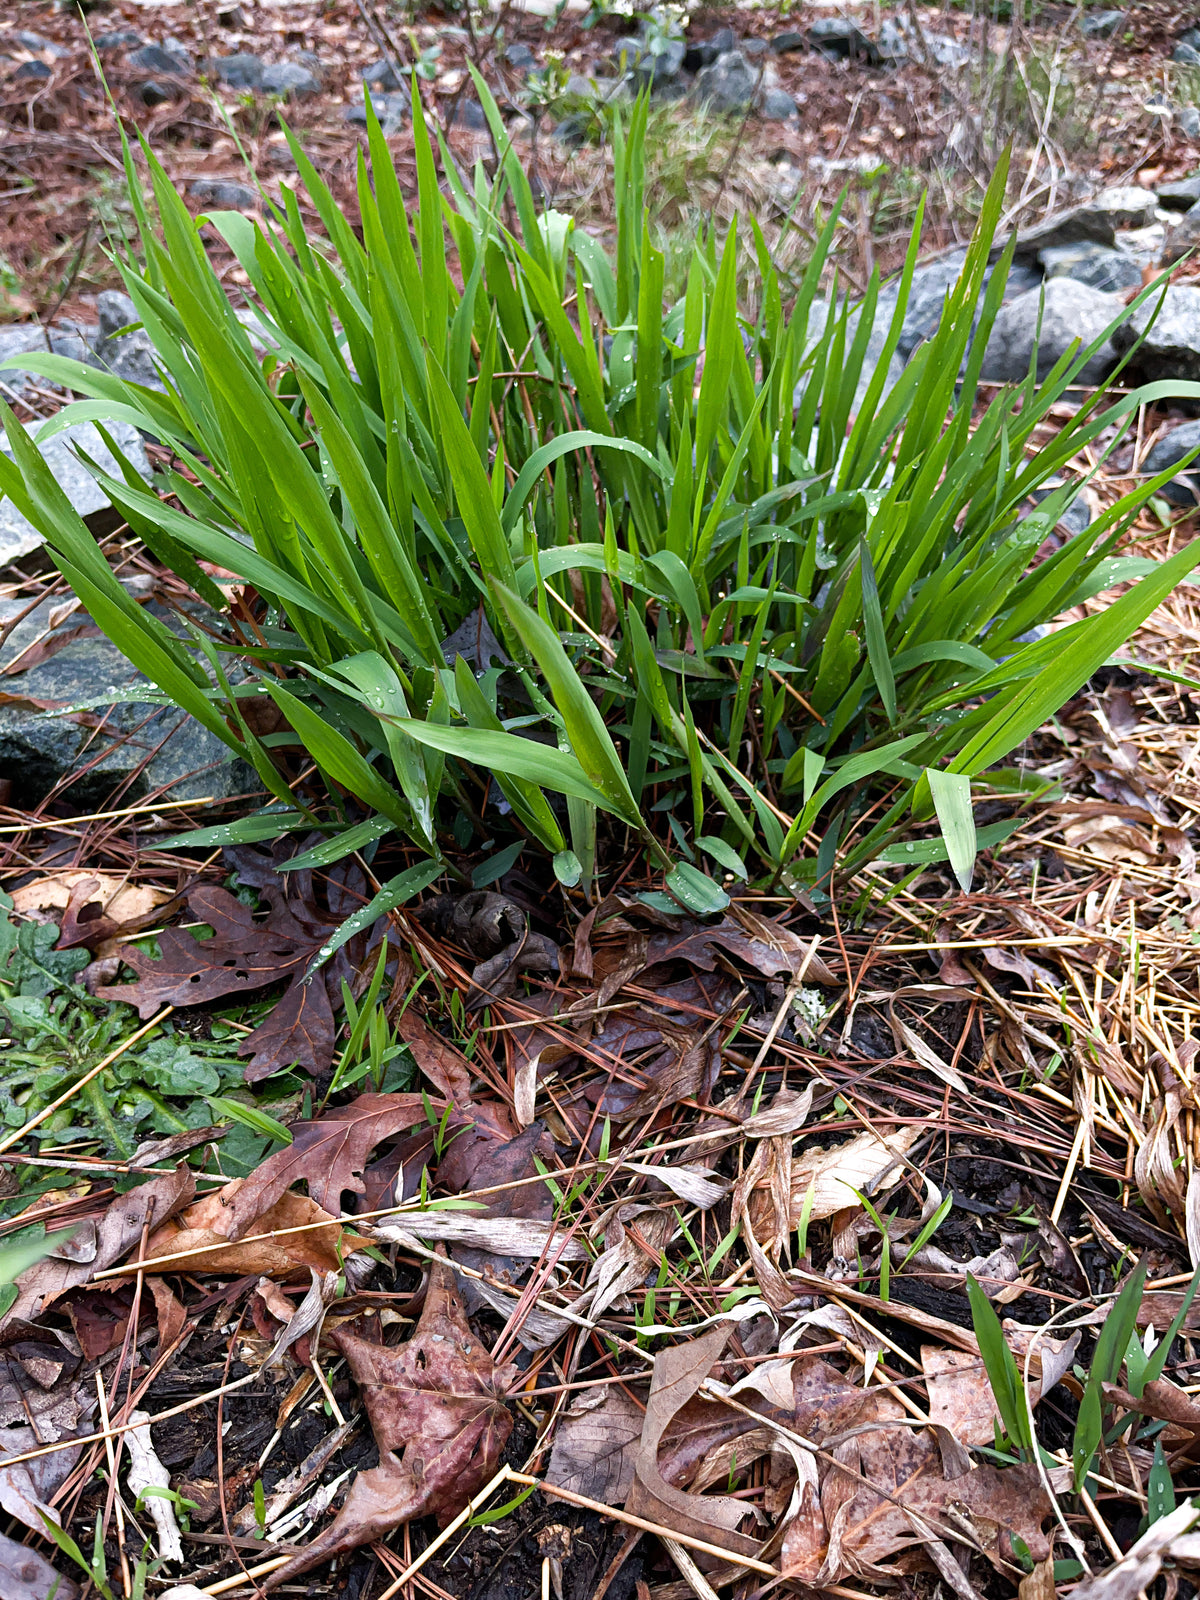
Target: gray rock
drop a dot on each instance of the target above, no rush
(817, 316)
(1075, 518)
(519, 56)
(778, 106)
(1180, 196)
(1130, 207)
(28, 339)
(152, 93)
(1183, 238)
(17, 536)
(789, 40)
(224, 195)
(1189, 121)
(1183, 490)
(579, 87)
(118, 39)
(129, 356)
(1186, 55)
(1072, 311)
(289, 79)
(1171, 349)
(32, 72)
(469, 114)
(655, 67)
(39, 749)
(1191, 36)
(1102, 24)
(572, 132)
(704, 52)
(1082, 224)
(382, 75)
(157, 58)
(755, 48)
(1093, 264)
(36, 43)
(728, 85)
(391, 109)
(842, 40)
(242, 71)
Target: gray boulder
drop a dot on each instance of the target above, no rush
(118, 39)
(520, 57)
(927, 297)
(18, 536)
(160, 58)
(1128, 207)
(29, 339)
(130, 355)
(817, 317)
(470, 114)
(654, 63)
(1185, 489)
(703, 53)
(391, 109)
(382, 75)
(1072, 311)
(842, 40)
(784, 43)
(728, 85)
(1180, 196)
(1183, 238)
(1082, 224)
(150, 748)
(1186, 55)
(1102, 24)
(223, 194)
(241, 71)
(1171, 349)
(1110, 271)
(778, 106)
(289, 80)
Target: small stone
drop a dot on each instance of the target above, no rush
(579, 87)
(1171, 348)
(1075, 518)
(1180, 196)
(778, 106)
(17, 536)
(784, 43)
(29, 338)
(1072, 311)
(289, 79)
(728, 85)
(755, 48)
(1102, 24)
(1191, 36)
(1186, 55)
(242, 71)
(381, 75)
(120, 39)
(156, 58)
(842, 40)
(1183, 490)
(225, 195)
(1100, 268)
(231, 16)
(1189, 122)
(32, 72)
(470, 114)
(654, 67)
(1183, 238)
(519, 57)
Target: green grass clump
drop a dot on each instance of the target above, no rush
(732, 583)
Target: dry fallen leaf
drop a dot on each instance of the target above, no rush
(206, 1227)
(865, 1163)
(26, 1575)
(109, 899)
(436, 1409)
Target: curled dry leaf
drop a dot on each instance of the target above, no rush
(506, 1236)
(206, 1228)
(437, 1411)
(865, 1163)
(676, 1379)
(26, 1487)
(93, 907)
(119, 1231)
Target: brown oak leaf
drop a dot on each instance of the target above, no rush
(437, 1411)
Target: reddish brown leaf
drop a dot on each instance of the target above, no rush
(436, 1409)
(329, 1154)
(446, 1067)
(119, 1231)
(299, 1031)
